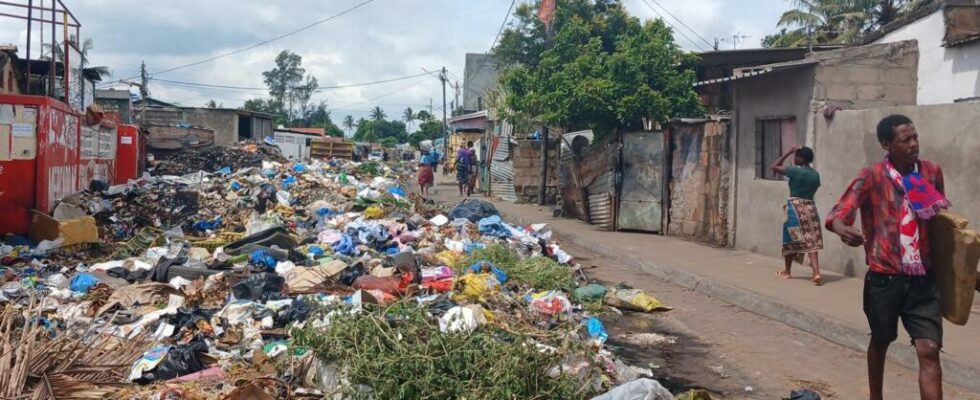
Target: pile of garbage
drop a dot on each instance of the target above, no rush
(305, 280)
(187, 161)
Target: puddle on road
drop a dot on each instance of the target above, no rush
(679, 361)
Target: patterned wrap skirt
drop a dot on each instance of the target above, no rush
(802, 231)
(426, 176)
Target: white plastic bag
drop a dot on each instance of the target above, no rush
(640, 389)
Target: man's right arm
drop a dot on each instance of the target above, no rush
(842, 216)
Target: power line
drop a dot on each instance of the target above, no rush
(682, 23)
(672, 26)
(381, 96)
(321, 88)
(244, 49)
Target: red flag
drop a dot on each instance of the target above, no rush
(546, 13)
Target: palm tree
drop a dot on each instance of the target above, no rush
(377, 113)
(408, 117)
(837, 21)
(87, 44)
(349, 124)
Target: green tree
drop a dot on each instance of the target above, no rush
(212, 104)
(259, 105)
(424, 116)
(408, 116)
(377, 114)
(375, 130)
(281, 79)
(302, 94)
(428, 130)
(836, 21)
(389, 142)
(602, 70)
(349, 124)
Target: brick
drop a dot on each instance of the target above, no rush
(900, 76)
(870, 92)
(862, 74)
(840, 91)
(903, 94)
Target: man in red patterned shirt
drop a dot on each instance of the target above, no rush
(896, 197)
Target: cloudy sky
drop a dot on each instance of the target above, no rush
(379, 40)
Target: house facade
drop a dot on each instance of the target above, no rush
(948, 36)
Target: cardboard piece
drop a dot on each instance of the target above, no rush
(72, 230)
(308, 278)
(955, 252)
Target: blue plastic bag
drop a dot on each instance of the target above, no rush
(345, 246)
(316, 251)
(83, 282)
(494, 226)
(469, 248)
(324, 212)
(499, 273)
(236, 186)
(262, 259)
(207, 225)
(299, 168)
(596, 330)
(224, 170)
(288, 181)
(398, 191)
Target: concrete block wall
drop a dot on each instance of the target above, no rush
(526, 157)
(872, 76)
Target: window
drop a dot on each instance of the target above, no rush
(773, 137)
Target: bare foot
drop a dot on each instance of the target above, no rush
(783, 274)
(817, 280)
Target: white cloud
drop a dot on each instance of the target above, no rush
(381, 40)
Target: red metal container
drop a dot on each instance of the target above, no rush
(98, 153)
(127, 153)
(39, 150)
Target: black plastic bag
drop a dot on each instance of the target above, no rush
(803, 394)
(188, 317)
(473, 210)
(258, 285)
(299, 311)
(349, 275)
(181, 360)
(440, 306)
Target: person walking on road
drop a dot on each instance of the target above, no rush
(897, 197)
(462, 166)
(426, 176)
(802, 233)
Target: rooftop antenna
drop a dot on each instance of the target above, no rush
(738, 37)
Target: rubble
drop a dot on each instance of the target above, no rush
(232, 274)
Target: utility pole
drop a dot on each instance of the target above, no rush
(430, 106)
(445, 122)
(543, 187)
(30, 21)
(144, 93)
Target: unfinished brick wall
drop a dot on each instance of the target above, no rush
(871, 76)
(526, 156)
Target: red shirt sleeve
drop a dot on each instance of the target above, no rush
(855, 195)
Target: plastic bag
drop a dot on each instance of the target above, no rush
(374, 212)
(486, 266)
(596, 330)
(473, 210)
(458, 319)
(633, 300)
(477, 285)
(494, 226)
(398, 191)
(345, 246)
(258, 286)
(262, 259)
(804, 394)
(83, 282)
(590, 292)
(179, 360)
(640, 389)
(551, 303)
(387, 284)
(349, 275)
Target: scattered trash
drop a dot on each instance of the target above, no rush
(803, 394)
(633, 300)
(640, 389)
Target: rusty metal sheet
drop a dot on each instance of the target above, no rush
(601, 210)
(641, 196)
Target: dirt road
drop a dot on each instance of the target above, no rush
(726, 350)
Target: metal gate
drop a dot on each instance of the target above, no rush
(642, 187)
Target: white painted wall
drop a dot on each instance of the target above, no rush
(945, 73)
(293, 145)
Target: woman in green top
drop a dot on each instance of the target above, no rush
(802, 232)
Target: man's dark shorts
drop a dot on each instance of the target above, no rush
(914, 299)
